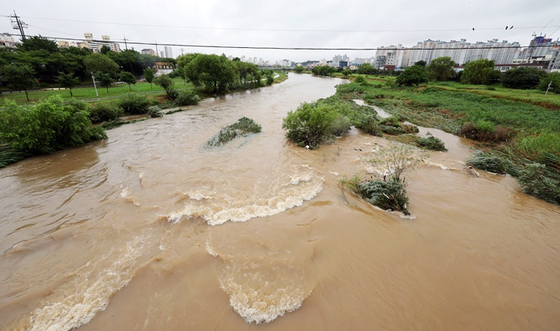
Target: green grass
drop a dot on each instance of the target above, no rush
(87, 93)
(529, 122)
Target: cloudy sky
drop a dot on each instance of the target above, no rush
(287, 23)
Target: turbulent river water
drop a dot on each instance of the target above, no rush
(151, 230)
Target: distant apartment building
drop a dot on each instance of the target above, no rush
(460, 51)
(7, 41)
(148, 51)
(168, 52)
(90, 43)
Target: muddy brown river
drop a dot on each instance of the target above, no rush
(150, 230)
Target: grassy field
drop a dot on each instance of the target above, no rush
(88, 93)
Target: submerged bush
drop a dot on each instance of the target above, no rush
(46, 127)
(133, 103)
(388, 195)
(432, 143)
(537, 180)
(311, 124)
(243, 127)
(488, 162)
(369, 123)
(186, 98)
(104, 112)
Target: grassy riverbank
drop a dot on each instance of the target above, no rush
(518, 129)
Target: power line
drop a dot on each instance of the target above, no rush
(127, 41)
(281, 30)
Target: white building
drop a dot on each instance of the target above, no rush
(7, 41)
(168, 52)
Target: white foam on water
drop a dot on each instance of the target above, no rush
(216, 208)
(77, 301)
(261, 293)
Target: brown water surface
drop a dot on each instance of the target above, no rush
(151, 230)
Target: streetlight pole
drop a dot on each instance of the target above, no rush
(94, 85)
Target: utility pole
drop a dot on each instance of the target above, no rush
(157, 52)
(18, 24)
(548, 88)
(94, 85)
(125, 44)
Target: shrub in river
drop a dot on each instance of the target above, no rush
(154, 111)
(388, 195)
(488, 162)
(104, 112)
(369, 123)
(431, 142)
(132, 103)
(340, 125)
(486, 131)
(537, 180)
(9, 155)
(311, 124)
(46, 127)
(243, 127)
(187, 98)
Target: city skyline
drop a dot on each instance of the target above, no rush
(314, 24)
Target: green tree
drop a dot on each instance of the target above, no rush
(346, 73)
(215, 72)
(166, 82)
(48, 126)
(523, 78)
(38, 43)
(184, 60)
(478, 72)
(149, 76)
(105, 79)
(299, 69)
(128, 78)
(67, 81)
(101, 63)
(19, 77)
(420, 63)
(323, 71)
(441, 69)
(550, 82)
(104, 49)
(367, 69)
(413, 76)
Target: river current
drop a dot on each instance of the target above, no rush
(152, 230)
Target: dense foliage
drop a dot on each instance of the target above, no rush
(441, 69)
(216, 73)
(522, 78)
(133, 103)
(414, 75)
(479, 72)
(550, 82)
(48, 126)
(310, 125)
(323, 71)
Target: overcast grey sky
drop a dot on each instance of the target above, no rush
(287, 23)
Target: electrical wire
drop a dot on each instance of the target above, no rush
(469, 47)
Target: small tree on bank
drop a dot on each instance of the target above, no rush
(149, 76)
(67, 81)
(105, 80)
(478, 72)
(441, 69)
(19, 77)
(128, 78)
